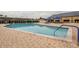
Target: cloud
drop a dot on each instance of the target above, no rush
(30, 14)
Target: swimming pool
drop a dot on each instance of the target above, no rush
(40, 29)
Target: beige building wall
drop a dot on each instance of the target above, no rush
(70, 18)
(75, 18)
(67, 18)
(42, 21)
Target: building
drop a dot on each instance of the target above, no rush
(69, 17)
(14, 20)
(42, 20)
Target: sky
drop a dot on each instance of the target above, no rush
(31, 14)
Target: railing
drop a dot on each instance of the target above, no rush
(70, 26)
(57, 29)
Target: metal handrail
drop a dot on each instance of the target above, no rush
(70, 26)
(57, 29)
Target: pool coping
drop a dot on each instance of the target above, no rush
(69, 34)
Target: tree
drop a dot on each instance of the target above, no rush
(5, 17)
(1, 15)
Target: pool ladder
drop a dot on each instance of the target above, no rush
(70, 26)
(57, 29)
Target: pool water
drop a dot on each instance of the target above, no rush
(40, 29)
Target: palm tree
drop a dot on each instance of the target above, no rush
(1, 18)
(1, 15)
(5, 17)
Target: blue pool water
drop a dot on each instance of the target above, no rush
(40, 29)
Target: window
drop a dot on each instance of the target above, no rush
(66, 20)
(57, 21)
(76, 20)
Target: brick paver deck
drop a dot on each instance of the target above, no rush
(17, 39)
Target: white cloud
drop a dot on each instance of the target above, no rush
(30, 14)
